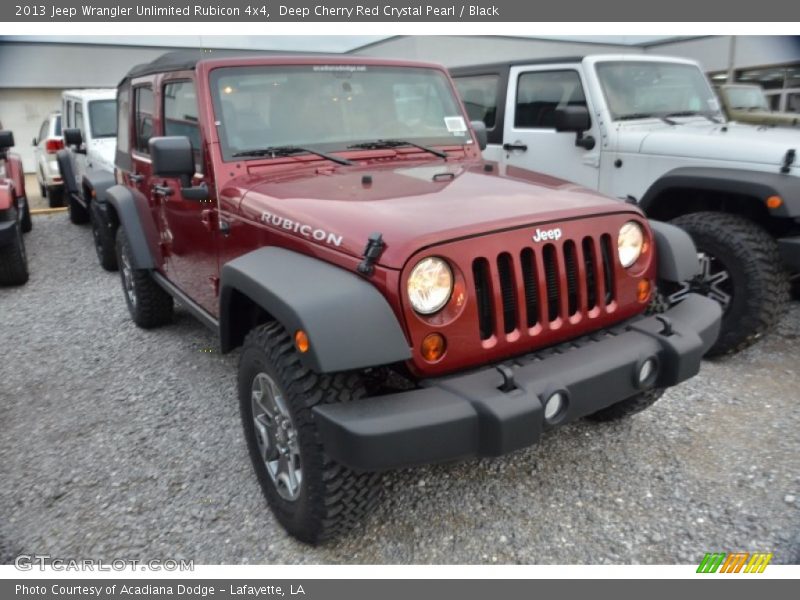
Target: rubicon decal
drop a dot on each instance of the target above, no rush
(299, 228)
(734, 562)
(547, 234)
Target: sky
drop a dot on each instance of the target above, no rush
(302, 43)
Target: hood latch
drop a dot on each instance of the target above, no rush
(788, 161)
(372, 253)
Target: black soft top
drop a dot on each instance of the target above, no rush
(186, 60)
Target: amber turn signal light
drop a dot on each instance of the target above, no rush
(301, 341)
(774, 202)
(643, 290)
(433, 347)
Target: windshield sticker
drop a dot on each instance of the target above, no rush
(298, 228)
(455, 125)
(348, 68)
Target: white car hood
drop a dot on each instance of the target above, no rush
(101, 153)
(700, 139)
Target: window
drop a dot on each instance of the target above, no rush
(79, 119)
(44, 131)
(333, 106)
(103, 118)
(793, 102)
(641, 90)
(68, 113)
(479, 94)
(539, 94)
(143, 105)
(57, 126)
(180, 114)
(123, 122)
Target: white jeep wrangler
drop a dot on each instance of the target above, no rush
(89, 126)
(650, 130)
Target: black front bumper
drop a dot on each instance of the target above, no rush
(469, 415)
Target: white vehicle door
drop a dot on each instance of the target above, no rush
(530, 140)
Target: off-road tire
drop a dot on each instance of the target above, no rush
(14, 260)
(332, 498)
(26, 223)
(77, 213)
(152, 306)
(760, 285)
(55, 197)
(626, 408)
(104, 238)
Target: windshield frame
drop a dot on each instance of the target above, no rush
(90, 110)
(660, 115)
(341, 146)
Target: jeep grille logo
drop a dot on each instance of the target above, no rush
(547, 234)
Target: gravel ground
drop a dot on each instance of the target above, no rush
(123, 443)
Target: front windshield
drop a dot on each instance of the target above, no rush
(331, 107)
(746, 98)
(103, 118)
(639, 89)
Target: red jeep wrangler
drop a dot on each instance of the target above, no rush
(15, 215)
(397, 299)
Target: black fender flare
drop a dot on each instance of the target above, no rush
(758, 184)
(676, 253)
(99, 180)
(349, 324)
(137, 228)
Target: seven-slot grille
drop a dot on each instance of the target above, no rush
(542, 285)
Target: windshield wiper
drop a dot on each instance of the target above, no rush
(274, 151)
(378, 144)
(632, 116)
(689, 113)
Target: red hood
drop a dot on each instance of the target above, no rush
(410, 207)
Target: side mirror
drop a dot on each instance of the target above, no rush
(173, 157)
(577, 119)
(480, 133)
(73, 137)
(6, 139)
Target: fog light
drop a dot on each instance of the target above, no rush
(554, 405)
(647, 370)
(433, 347)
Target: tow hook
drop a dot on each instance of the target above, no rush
(665, 321)
(508, 384)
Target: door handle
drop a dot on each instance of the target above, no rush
(163, 190)
(136, 177)
(515, 146)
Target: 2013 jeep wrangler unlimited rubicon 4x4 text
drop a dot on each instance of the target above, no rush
(396, 300)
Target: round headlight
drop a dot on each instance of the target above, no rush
(430, 285)
(629, 243)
